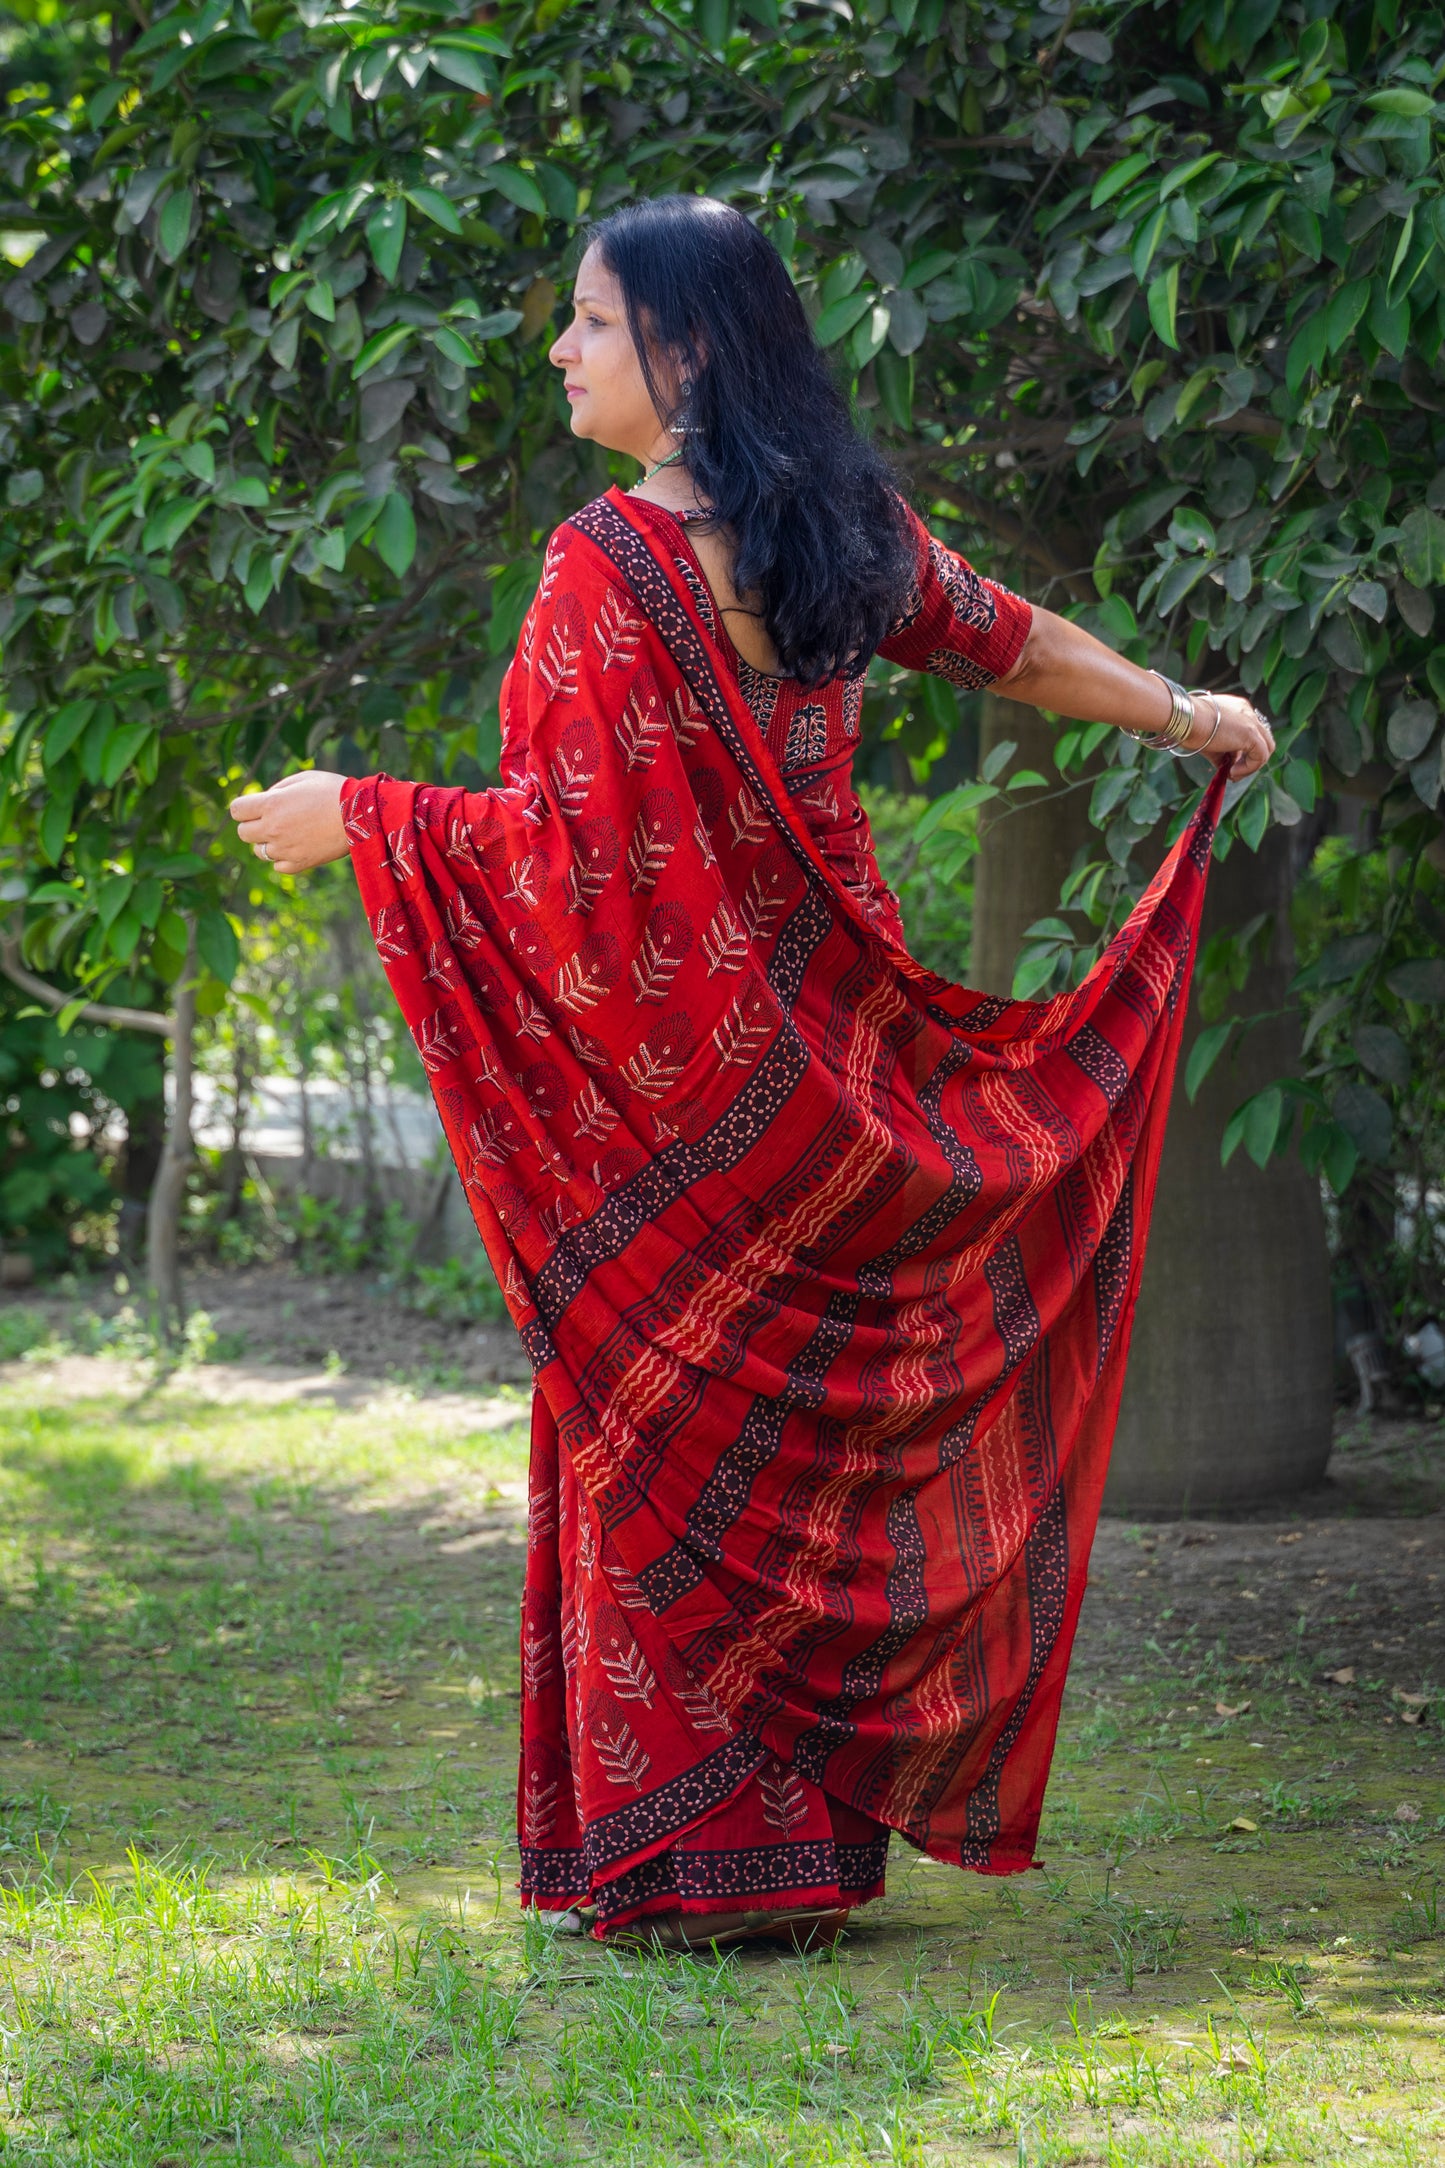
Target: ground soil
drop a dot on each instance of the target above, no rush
(1350, 1575)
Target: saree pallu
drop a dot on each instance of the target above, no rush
(824, 1265)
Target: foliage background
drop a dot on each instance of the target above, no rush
(1144, 301)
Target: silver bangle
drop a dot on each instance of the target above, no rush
(1171, 739)
(1203, 692)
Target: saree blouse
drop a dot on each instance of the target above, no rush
(954, 624)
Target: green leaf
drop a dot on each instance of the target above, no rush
(65, 727)
(385, 237)
(244, 489)
(1398, 98)
(997, 759)
(1260, 1127)
(433, 205)
(395, 534)
(1421, 979)
(454, 346)
(1163, 300)
(173, 228)
(517, 187)
(1360, 1110)
(217, 945)
(1410, 729)
(378, 346)
(164, 528)
(840, 316)
(460, 66)
(53, 828)
(1345, 311)
(121, 750)
(1204, 1053)
(1345, 957)
(1383, 1052)
(1117, 178)
(1422, 547)
(1033, 971)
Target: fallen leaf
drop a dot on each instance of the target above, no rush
(476, 1691)
(1234, 2059)
(1249, 1595)
(1407, 1811)
(1296, 1535)
(277, 1842)
(1244, 1825)
(1411, 1701)
(1345, 1676)
(1222, 1708)
(164, 1649)
(1412, 1716)
(389, 1693)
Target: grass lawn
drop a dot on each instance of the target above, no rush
(257, 1709)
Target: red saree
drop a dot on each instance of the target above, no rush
(824, 1265)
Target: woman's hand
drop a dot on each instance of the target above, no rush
(1243, 739)
(296, 824)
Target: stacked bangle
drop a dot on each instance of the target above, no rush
(1171, 739)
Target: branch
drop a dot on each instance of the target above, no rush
(1014, 533)
(94, 1012)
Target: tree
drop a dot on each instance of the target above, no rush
(1156, 321)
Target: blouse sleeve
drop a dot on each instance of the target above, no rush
(955, 624)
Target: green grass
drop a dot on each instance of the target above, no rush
(257, 1710)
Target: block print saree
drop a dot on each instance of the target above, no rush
(824, 1265)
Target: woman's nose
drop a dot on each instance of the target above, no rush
(561, 351)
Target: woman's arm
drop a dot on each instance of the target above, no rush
(1062, 667)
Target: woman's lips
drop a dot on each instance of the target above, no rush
(575, 391)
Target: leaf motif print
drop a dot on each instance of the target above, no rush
(724, 944)
(617, 1166)
(464, 929)
(390, 932)
(541, 1514)
(641, 726)
(706, 1712)
(554, 1219)
(771, 883)
(654, 838)
(544, 1088)
(551, 566)
(439, 966)
(533, 1021)
(686, 717)
(661, 1058)
(493, 1137)
(533, 949)
(785, 1799)
(623, 1757)
(527, 879)
(555, 666)
(666, 939)
(539, 1810)
(511, 1207)
(586, 1544)
(743, 1031)
(573, 767)
(807, 739)
(475, 853)
(617, 629)
(592, 1115)
(746, 818)
(707, 789)
(590, 972)
(514, 1287)
(624, 1587)
(821, 800)
(537, 1661)
(400, 845)
(587, 1048)
(629, 1674)
(703, 841)
(596, 852)
(701, 594)
(443, 1037)
(354, 821)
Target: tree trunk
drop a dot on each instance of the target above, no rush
(1026, 855)
(168, 1191)
(1230, 1383)
(1229, 1396)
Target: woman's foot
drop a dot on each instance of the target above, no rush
(804, 1931)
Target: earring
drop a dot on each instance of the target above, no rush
(683, 427)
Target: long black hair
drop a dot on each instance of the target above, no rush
(819, 528)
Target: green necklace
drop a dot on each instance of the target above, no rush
(670, 460)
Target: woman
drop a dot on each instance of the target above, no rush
(824, 1264)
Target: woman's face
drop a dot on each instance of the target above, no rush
(605, 387)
